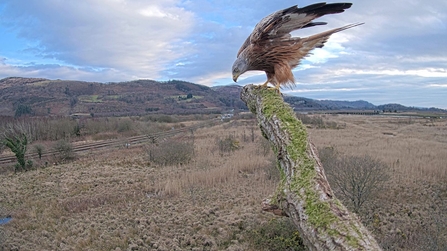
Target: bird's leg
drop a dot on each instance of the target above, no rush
(266, 83)
(277, 88)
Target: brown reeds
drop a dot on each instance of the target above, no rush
(118, 199)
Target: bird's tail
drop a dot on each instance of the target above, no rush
(318, 40)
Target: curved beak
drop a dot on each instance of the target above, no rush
(235, 76)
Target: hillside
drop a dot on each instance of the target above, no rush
(62, 97)
(43, 97)
(300, 103)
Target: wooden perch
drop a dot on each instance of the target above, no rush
(304, 193)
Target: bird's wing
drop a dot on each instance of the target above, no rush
(244, 45)
(307, 44)
(279, 24)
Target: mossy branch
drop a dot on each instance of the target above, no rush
(304, 193)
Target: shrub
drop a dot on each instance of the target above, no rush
(277, 234)
(29, 164)
(64, 150)
(39, 150)
(318, 122)
(171, 153)
(161, 118)
(355, 179)
(77, 130)
(227, 144)
(2, 146)
(124, 125)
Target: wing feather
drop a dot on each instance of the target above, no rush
(272, 49)
(309, 43)
(279, 24)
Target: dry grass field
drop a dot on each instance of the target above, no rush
(124, 200)
(411, 212)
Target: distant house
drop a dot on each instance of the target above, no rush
(228, 115)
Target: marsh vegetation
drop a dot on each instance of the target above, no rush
(208, 197)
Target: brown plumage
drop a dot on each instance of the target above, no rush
(271, 48)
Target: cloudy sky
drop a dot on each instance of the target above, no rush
(398, 56)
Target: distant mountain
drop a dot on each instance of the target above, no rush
(401, 108)
(43, 97)
(299, 103)
(305, 104)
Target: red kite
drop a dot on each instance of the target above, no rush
(272, 49)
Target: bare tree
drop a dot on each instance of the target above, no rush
(355, 179)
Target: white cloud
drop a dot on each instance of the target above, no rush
(211, 79)
(437, 85)
(427, 72)
(154, 11)
(301, 90)
(136, 37)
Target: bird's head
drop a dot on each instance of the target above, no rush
(240, 66)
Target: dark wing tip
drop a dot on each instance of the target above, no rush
(321, 9)
(314, 24)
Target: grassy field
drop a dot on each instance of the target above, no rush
(90, 98)
(411, 212)
(125, 200)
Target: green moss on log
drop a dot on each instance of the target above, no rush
(319, 213)
(302, 180)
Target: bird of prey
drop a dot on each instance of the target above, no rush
(272, 49)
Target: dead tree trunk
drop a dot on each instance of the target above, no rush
(304, 193)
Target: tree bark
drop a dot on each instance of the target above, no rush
(304, 193)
